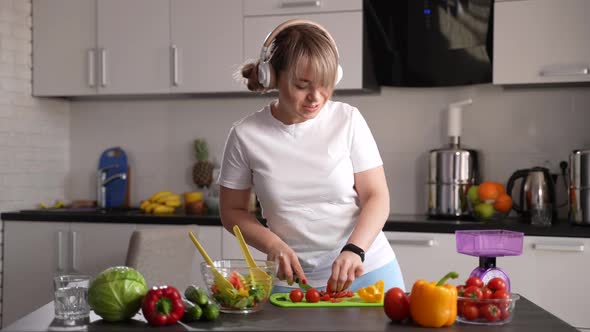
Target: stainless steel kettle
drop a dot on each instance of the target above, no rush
(537, 195)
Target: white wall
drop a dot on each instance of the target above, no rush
(511, 128)
(34, 133)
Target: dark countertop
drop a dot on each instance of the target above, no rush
(527, 317)
(395, 223)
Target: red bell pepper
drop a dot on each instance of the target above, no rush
(162, 306)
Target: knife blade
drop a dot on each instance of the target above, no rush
(302, 284)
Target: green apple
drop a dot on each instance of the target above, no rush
(484, 210)
(472, 195)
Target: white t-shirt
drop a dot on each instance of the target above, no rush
(303, 175)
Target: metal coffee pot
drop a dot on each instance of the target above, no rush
(452, 170)
(579, 187)
(537, 195)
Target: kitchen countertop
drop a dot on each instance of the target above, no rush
(527, 317)
(395, 222)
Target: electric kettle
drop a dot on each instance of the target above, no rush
(537, 195)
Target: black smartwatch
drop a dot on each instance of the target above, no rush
(355, 249)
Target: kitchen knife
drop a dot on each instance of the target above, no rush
(302, 284)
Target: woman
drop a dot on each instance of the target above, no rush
(314, 166)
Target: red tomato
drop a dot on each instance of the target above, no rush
(473, 292)
(490, 312)
(296, 295)
(312, 295)
(236, 281)
(460, 290)
(505, 314)
(396, 304)
(486, 293)
(501, 294)
(474, 281)
(470, 311)
(325, 297)
(497, 284)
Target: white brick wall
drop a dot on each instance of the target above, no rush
(34, 133)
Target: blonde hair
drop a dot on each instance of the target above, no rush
(294, 48)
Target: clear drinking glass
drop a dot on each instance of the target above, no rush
(71, 297)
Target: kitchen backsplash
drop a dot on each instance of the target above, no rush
(512, 128)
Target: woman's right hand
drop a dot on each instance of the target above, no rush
(289, 267)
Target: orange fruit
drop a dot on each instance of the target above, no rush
(501, 188)
(503, 203)
(488, 191)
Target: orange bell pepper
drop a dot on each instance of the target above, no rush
(373, 293)
(434, 304)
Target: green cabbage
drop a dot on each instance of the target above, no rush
(116, 293)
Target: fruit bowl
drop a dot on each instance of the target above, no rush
(248, 294)
(485, 212)
(486, 312)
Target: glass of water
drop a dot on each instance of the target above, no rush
(71, 297)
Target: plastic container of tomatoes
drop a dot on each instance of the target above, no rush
(486, 311)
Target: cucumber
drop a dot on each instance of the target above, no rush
(197, 295)
(192, 313)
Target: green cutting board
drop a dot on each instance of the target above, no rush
(282, 300)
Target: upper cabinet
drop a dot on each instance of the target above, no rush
(342, 18)
(111, 47)
(541, 41)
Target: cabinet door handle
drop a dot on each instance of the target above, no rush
(91, 69)
(103, 67)
(60, 252)
(414, 242)
(578, 247)
(74, 235)
(565, 71)
(299, 4)
(174, 65)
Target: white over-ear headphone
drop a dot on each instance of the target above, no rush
(266, 74)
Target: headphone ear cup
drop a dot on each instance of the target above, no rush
(264, 73)
(339, 74)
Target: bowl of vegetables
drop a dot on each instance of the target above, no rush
(247, 289)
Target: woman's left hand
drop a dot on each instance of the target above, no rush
(345, 269)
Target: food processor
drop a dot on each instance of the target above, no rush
(487, 245)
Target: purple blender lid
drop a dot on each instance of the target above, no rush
(489, 242)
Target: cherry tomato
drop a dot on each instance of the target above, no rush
(490, 312)
(296, 295)
(460, 290)
(505, 314)
(474, 281)
(473, 292)
(396, 304)
(486, 293)
(470, 311)
(325, 297)
(501, 294)
(497, 284)
(312, 295)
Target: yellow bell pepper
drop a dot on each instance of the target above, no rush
(434, 304)
(373, 293)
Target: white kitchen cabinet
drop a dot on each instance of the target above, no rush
(429, 256)
(64, 47)
(552, 273)
(133, 46)
(541, 41)
(343, 19)
(88, 47)
(35, 252)
(206, 42)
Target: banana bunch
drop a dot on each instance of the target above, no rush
(162, 202)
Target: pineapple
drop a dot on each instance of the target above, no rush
(203, 169)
